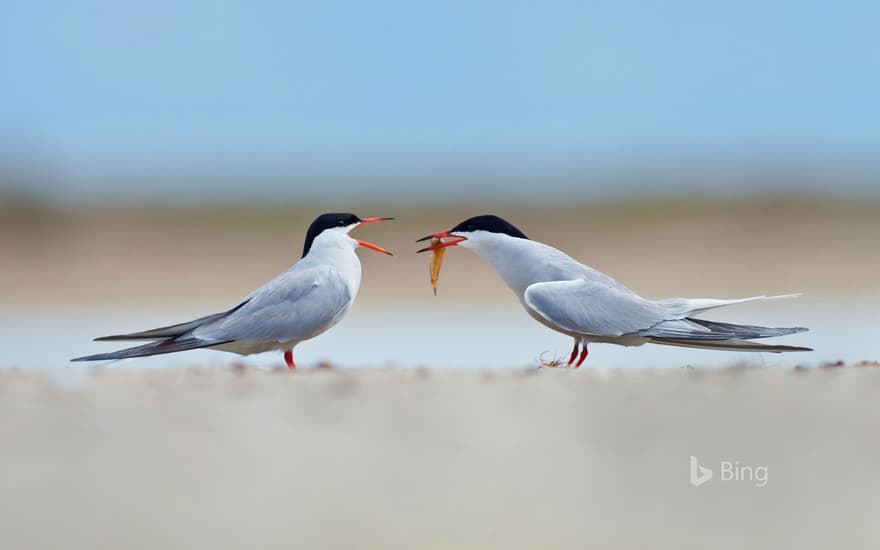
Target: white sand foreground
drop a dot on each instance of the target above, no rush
(232, 458)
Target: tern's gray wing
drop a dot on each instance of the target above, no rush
(596, 308)
(589, 307)
(294, 306)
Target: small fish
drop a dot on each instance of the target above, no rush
(436, 261)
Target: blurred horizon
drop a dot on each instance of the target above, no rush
(503, 179)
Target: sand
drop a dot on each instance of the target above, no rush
(128, 257)
(433, 458)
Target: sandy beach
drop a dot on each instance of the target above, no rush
(144, 256)
(433, 458)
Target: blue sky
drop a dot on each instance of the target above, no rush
(104, 87)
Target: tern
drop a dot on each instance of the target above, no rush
(579, 301)
(299, 304)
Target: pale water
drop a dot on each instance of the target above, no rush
(496, 335)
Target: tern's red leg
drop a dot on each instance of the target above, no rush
(574, 353)
(288, 358)
(583, 356)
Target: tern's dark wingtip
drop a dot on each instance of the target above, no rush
(796, 348)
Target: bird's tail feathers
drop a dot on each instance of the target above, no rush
(154, 348)
(691, 306)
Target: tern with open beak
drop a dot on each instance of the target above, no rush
(297, 305)
(588, 305)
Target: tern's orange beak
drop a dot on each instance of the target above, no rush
(372, 246)
(443, 244)
(373, 220)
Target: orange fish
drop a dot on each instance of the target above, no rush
(436, 261)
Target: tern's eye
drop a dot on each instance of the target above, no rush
(471, 227)
(341, 223)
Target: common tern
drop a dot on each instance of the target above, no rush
(577, 300)
(299, 304)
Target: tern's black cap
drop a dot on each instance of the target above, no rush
(488, 222)
(327, 221)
